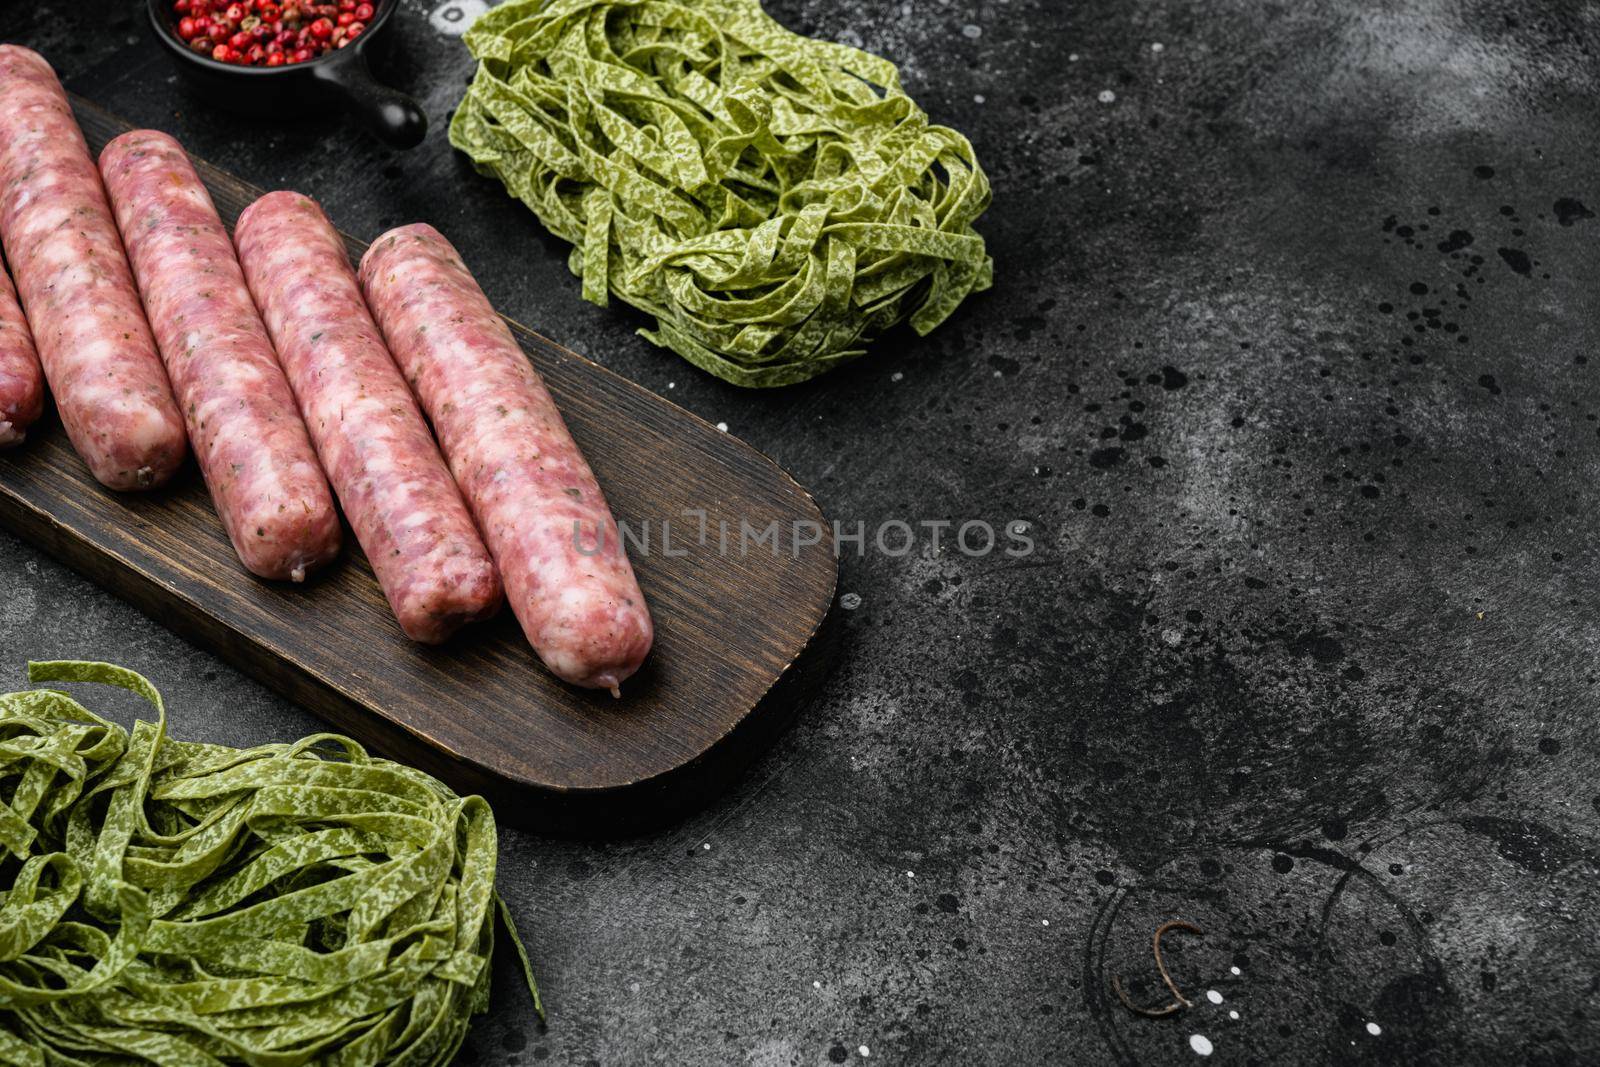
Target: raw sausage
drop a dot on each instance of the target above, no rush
(73, 278)
(21, 381)
(539, 507)
(542, 513)
(253, 449)
(386, 470)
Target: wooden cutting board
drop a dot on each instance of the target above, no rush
(739, 635)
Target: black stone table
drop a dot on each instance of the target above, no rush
(1290, 368)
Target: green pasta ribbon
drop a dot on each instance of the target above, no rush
(775, 201)
(188, 904)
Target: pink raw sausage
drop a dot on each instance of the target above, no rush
(21, 380)
(253, 449)
(73, 277)
(538, 504)
(386, 470)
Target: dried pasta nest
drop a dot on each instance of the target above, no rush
(189, 904)
(773, 200)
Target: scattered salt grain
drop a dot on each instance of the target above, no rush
(1213, 996)
(1374, 1029)
(1107, 96)
(1201, 1044)
(722, 426)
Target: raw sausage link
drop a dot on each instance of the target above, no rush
(402, 503)
(73, 278)
(21, 381)
(540, 509)
(253, 449)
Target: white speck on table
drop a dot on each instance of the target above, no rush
(1374, 1029)
(1233, 970)
(865, 1051)
(722, 426)
(1107, 96)
(1213, 996)
(974, 32)
(1201, 1044)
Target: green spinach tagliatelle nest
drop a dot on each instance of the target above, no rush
(195, 905)
(773, 200)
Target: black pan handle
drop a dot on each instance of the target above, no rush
(390, 115)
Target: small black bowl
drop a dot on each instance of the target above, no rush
(340, 77)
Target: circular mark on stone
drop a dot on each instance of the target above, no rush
(1386, 937)
(850, 601)
(1419, 289)
(454, 16)
(838, 1054)
(1335, 829)
(1282, 864)
(1484, 172)
(1549, 746)
(1104, 877)
(1201, 1044)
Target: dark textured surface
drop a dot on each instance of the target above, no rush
(1289, 365)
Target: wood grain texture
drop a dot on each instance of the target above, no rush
(738, 634)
